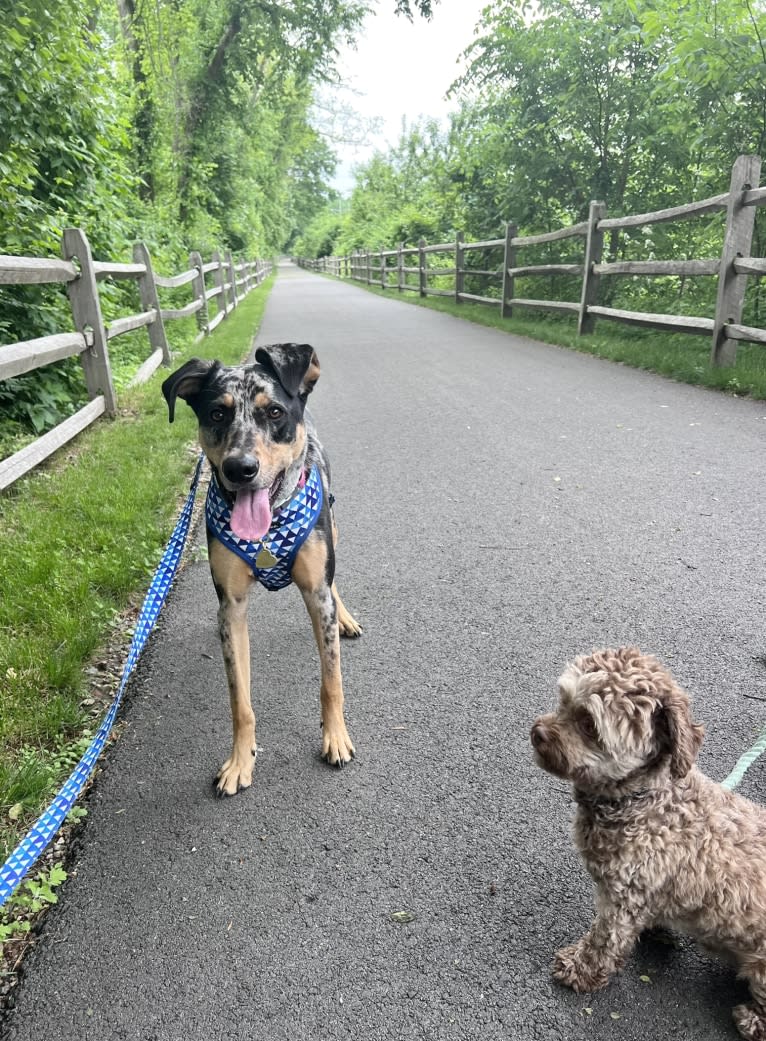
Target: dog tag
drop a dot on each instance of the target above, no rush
(265, 559)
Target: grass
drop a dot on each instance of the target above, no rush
(80, 539)
(679, 356)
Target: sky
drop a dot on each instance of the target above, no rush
(402, 69)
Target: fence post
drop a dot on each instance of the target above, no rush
(459, 267)
(382, 269)
(86, 312)
(198, 285)
(220, 281)
(422, 265)
(369, 268)
(509, 261)
(232, 277)
(737, 242)
(147, 289)
(400, 268)
(594, 246)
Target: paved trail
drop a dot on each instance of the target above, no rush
(503, 505)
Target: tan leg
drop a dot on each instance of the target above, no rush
(310, 575)
(233, 581)
(347, 624)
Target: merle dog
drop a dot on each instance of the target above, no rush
(269, 519)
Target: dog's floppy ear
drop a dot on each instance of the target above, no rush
(295, 365)
(683, 736)
(186, 382)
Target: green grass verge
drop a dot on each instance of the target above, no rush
(80, 539)
(679, 356)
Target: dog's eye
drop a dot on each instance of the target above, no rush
(587, 726)
(275, 412)
(217, 415)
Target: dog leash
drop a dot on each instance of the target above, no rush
(745, 761)
(34, 843)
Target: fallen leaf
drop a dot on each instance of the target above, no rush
(401, 917)
(16, 811)
(615, 1015)
(645, 979)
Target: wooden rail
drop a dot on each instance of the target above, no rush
(81, 275)
(387, 267)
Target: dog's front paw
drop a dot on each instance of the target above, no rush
(575, 969)
(750, 1021)
(336, 745)
(236, 773)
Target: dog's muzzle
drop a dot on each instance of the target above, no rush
(547, 748)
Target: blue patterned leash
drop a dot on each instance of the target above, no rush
(31, 847)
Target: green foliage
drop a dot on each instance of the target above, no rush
(39, 400)
(221, 96)
(182, 123)
(642, 104)
(33, 896)
(63, 137)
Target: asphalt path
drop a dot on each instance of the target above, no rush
(503, 505)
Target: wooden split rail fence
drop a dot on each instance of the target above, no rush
(81, 274)
(732, 267)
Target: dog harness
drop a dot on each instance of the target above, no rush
(271, 558)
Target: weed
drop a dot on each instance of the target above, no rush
(33, 896)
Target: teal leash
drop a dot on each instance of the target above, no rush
(745, 761)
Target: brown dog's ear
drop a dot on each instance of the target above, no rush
(186, 382)
(295, 365)
(683, 736)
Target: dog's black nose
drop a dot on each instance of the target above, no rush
(240, 468)
(537, 735)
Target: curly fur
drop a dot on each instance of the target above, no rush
(665, 845)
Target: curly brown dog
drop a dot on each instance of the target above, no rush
(665, 845)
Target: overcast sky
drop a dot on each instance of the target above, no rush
(403, 69)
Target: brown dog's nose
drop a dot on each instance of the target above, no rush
(538, 734)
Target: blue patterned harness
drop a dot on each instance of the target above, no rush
(271, 558)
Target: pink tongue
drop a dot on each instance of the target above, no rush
(251, 514)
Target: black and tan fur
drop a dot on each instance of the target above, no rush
(256, 432)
